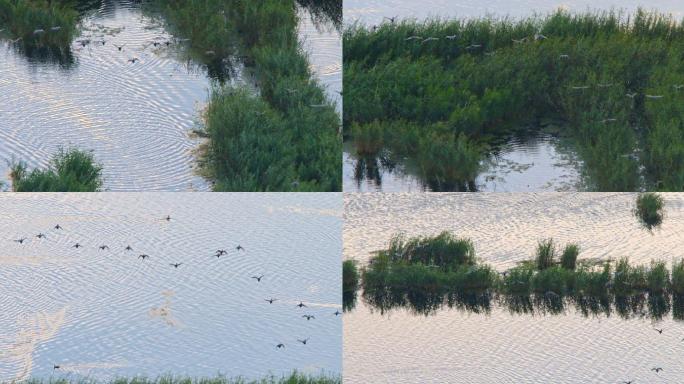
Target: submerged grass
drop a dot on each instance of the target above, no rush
(613, 82)
(286, 137)
(649, 209)
(294, 378)
(70, 170)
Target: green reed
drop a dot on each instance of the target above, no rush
(70, 170)
(286, 137)
(294, 378)
(491, 75)
(649, 209)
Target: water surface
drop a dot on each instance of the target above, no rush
(107, 313)
(498, 345)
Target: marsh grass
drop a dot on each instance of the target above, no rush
(569, 256)
(546, 253)
(22, 18)
(579, 75)
(649, 209)
(285, 138)
(444, 251)
(350, 284)
(70, 170)
(294, 378)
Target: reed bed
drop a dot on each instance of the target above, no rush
(70, 170)
(350, 284)
(285, 138)
(294, 378)
(611, 82)
(445, 266)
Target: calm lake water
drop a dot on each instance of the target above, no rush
(106, 313)
(542, 164)
(136, 118)
(459, 346)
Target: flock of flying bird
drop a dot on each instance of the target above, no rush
(218, 254)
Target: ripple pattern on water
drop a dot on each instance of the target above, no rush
(124, 316)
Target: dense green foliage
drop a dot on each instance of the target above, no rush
(40, 29)
(350, 283)
(69, 171)
(425, 272)
(441, 93)
(649, 209)
(295, 378)
(286, 137)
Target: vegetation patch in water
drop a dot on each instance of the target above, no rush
(350, 284)
(294, 378)
(615, 85)
(649, 209)
(70, 170)
(299, 147)
(427, 272)
(40, 29)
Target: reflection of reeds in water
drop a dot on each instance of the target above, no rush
(350, 284)
(34, 330)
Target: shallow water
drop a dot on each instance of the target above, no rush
(500, 347)
(106, 313)
(136, 118)
(532, 165)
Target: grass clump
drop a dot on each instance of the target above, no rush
(569, 256)
(546, 252)
(444, 251)
(70, 170)
(649, 209)
(350, 284)
(493, 77)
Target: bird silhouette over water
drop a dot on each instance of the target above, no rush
(656, 369)
(308, 317)
(176, 265)
(77, 245)
(258, 278)
(119, 47)
(40, 236)
(281, 345)
(337, 313)
(392, 19)
(133, 60)
(221, 252)
(660, 331)
(58, 226)
(143, 256)
(55, 367)
(167, 218)
(304, 341)
(271, 300)
(239, 248)
(103, 247)
(20, 241)
(128, 248)
(300, 305)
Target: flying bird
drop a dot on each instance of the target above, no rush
(103, 247)
(128, 248)
(258, 278)
(176, 265)
(77, 245)
(239, 248)
(271, 300)
(58, 226)
(309, 317)
(281, 345)
(133, 60)
(300, 305)
(656, 369)
(120, 47)
(660, 331)
(20, 241)
(303, 341)
(392, 19)
(143, 256)
(40, 236)
(337, 313)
